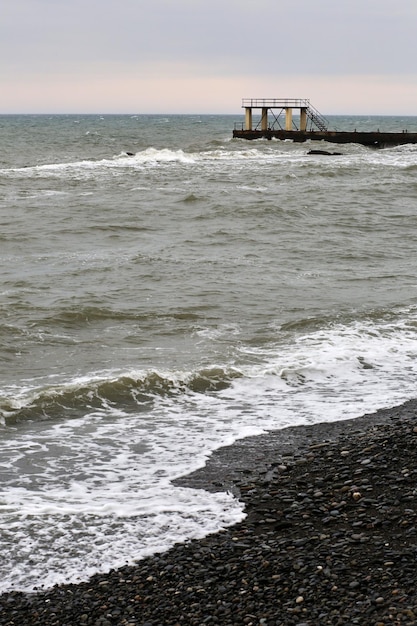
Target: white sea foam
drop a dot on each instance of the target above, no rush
(150, 157)
(93, 493)
(154, 157)
(263, 153)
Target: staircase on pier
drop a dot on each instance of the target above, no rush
(317, 118)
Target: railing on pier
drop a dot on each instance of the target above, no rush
(275, 103)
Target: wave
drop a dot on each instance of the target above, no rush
(375, 348)
(150, 156)
(80, 316)
(270, 153)
(119, 395)
(378, 318)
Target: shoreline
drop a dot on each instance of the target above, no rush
(226, 465)
(330, 537)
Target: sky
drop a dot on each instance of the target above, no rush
(353, 57)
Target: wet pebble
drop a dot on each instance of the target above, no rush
(329, 538)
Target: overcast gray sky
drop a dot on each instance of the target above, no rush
(204, 56)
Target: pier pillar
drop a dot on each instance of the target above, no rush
(303, 119)
(264, 119)
(248, 118)
(288, 118)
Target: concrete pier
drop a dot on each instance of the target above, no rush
(280, 113)
(372, 139)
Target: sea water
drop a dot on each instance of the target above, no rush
(165, 290)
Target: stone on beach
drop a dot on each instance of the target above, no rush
(330, 537)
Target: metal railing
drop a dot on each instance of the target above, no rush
(275, 103)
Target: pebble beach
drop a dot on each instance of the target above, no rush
(330, 537)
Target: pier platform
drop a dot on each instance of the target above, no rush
(372, 139)
(276, 121)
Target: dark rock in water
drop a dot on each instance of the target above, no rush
(326, 152)
(130, 153)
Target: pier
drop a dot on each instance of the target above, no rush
(276, 121)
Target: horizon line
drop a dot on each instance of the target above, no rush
(133, 114)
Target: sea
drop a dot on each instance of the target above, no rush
(166, 290)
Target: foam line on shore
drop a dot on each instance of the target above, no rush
(330, 537)
(257, 453)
